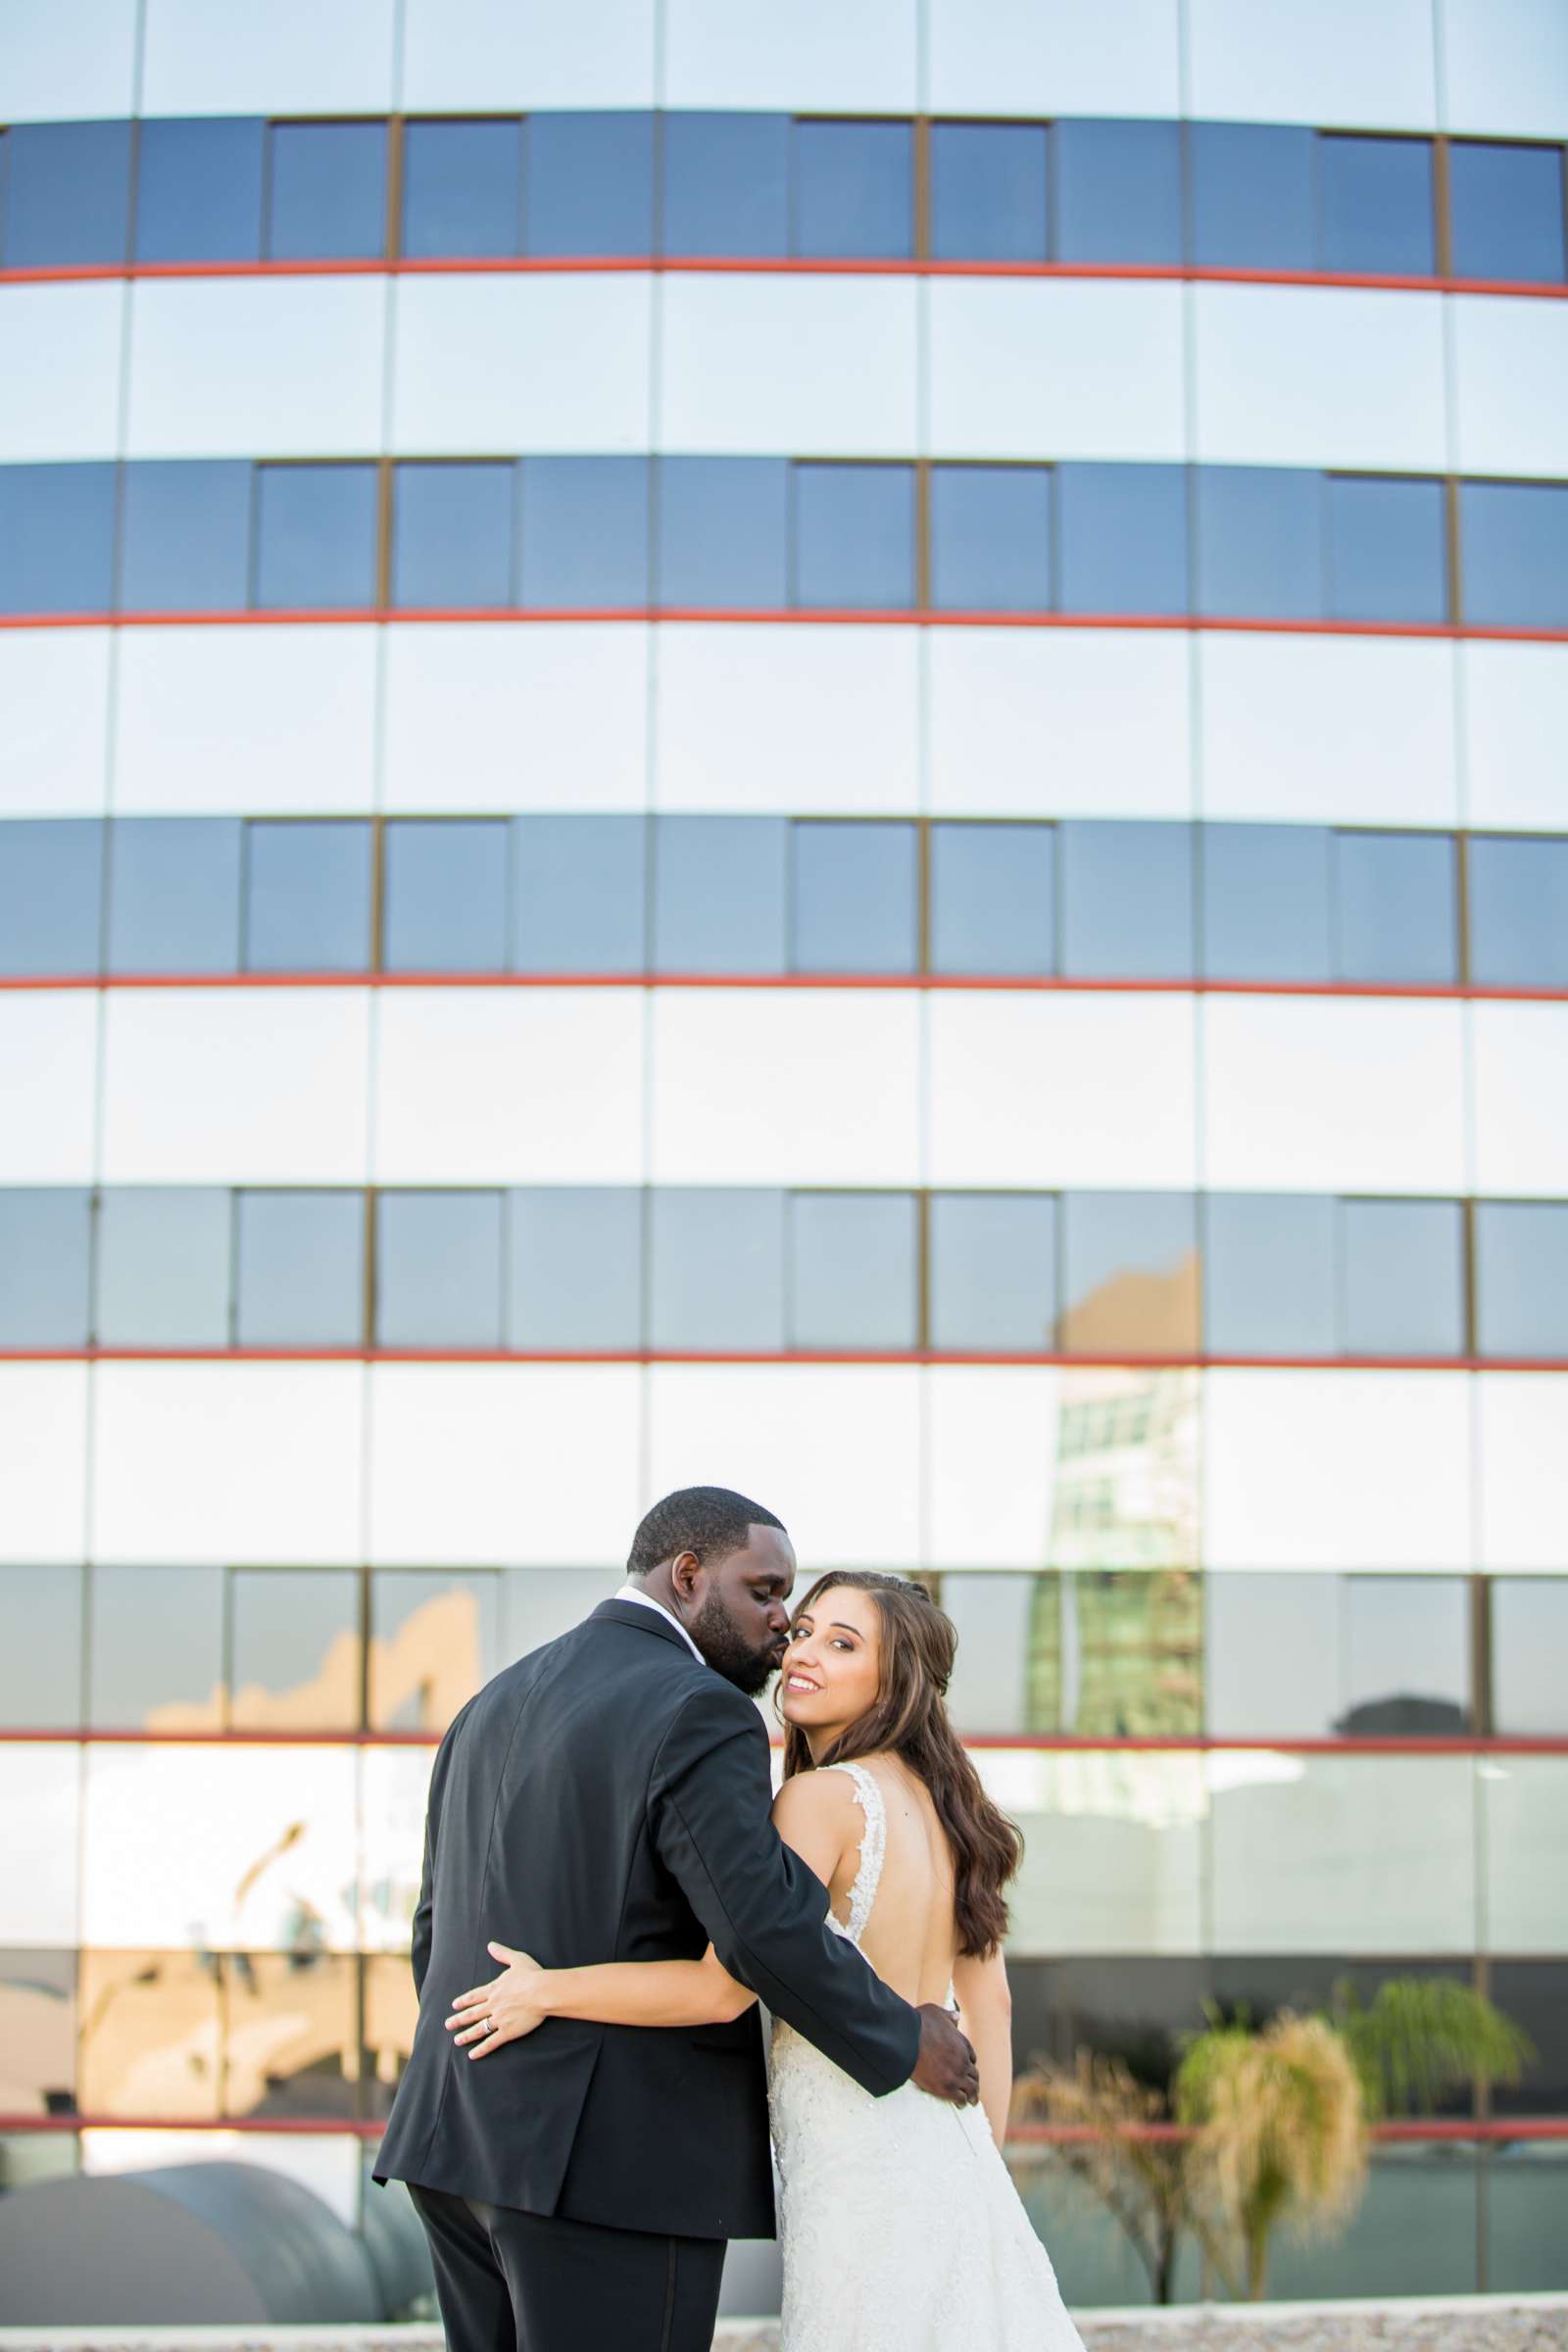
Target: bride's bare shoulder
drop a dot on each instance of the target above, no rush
(828, 1795)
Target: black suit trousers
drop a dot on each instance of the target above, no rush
(512, 2281)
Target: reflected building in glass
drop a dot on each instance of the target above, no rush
(825, 755)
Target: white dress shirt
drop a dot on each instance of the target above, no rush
(633, 1590)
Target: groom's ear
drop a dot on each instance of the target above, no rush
(684, 1570)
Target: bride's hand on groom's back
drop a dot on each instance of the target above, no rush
(501, 2011)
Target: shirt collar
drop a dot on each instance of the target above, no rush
(631, 1590)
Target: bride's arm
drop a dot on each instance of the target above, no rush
(985, 2014)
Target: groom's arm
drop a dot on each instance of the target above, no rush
(764, 1910)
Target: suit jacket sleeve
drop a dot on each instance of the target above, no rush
(425, 1909)
(763, 1908)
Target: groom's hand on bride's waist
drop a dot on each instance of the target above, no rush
(945, 2066)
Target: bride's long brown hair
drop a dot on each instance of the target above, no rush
(909, 1719)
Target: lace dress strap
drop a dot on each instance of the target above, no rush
(873, 1846)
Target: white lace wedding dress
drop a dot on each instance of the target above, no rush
(901, 2229)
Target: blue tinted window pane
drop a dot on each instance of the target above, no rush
(853, 193)
(575, 1257)
(198, 191)
(720, 894)
(461, 189)
(855, 898)
(438, 1270)
(1522, 1278)
(1265, 900)
(1513, 540)
(1118, 191)
(51, 895)
(590, 183)
(990, 538)
(66, 194)
(40, 1690)
(1506, 211)
(1375, 206)
(315, 536)
(852, 1268)
(1252, 196)
(163, 1268)
(992, 894)
(1121, 531)
(716, 1269)
(1268, 1274)
(585, 531)
(1518, 913)
(1397, 907)
(579, 894)
(57, 538)
(452, 531)
(1401, 1271)
(723, 533)
(44, 1267)
(306, 897)
(1259, 542)
(1386, 557)
(1129, 1271)
(446, 896)
(184, 536)
(988, 192)
(727, 184)
(173, 894)
(299, 1263)
(1126, 901)
(994, 1271)
(854, 536)
(328, 191)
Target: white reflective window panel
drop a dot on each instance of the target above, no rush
(509, 1086)
(1059, 722)
(235, 1085)
(1323, 1853)
(815, 57)
(1318, 376)
(1522, 1470)
(1510, 363)
(1520, 1053)
(48, 1085)
(505, 56)
(70, 62)
(294, 58)
(1051, 57)
(765, 365)
(1515, 704)
(60, 385)
(1047, 1089)
(329, 2165)
(1506, 67)
(479, 1463)
(833, 1450)
(1339, 61)
(1337, 1469)
(1335, 1094)
(40, 1799)
(1524, 1802)
(504, 717)
(43, 1463)
(265, 1844)
(394, 1788)
(228, 1462)
(990, 1465)
(222, 367)
(1319, 730)
(834, 1074)
(502, 363)
(1063, 368)
(1112, 1849)
(827, 718)
(245, 721)
(54, 747)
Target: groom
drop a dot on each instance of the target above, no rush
(607, 1799)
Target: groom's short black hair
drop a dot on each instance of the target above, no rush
(711, 1521)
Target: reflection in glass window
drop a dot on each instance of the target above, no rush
(725, 184)
(1514, 542)
(1406, 1656)
(299, 1269)
(1259, 541)
(173, 894)
(854, 897)
(1397, 907)
(720, 894)
(540, 1603)
(291, 2040)
(151, 2019)
(1530, 1992)
(1265, 901)
(295, 1649)
(853, 189)
(994, 1684)
(854, 536)
(993, 1275)
(1402, 1272)
(1528, 1642)
(44, 1236)
(988, 192)
(163, 1268)
(1121, 538)
(1126, 900)
(434, 1640)
(590, 185)
(199, 189)
(1111, 1860)
(326, 191)
(1272, 1656)
(184, 536)
(1505, 208)
(1118, 190)
(723, 533)
(575, 1257)
(1375, 206)
(1251, 189)
(38, 1997)
(1518, 908)
(1129, 1274)
(1522, 1278)
(993, 898)
(438, 1270)
(716, 1269)
(57, 538)
(452, 535)
(66, 189)
(315, 537)
(579, 891)
(1268, 1274)
(585, 531)
(307, 896)
(852, 1263)
(155, 1655)
(990, 538)
(1130, 1654)
(446, 894)
(51, 895)
(41, 1644)
(391, 2012)
(1387, 551)
(461, 189)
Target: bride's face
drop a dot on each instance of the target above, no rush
(832, 1666)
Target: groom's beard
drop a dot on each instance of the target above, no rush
(714, 1635)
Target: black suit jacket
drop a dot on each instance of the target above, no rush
(606, 1798)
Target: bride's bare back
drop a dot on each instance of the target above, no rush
(909, 1938)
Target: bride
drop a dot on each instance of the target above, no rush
(901, 2227)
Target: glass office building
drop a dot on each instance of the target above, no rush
(819, 748)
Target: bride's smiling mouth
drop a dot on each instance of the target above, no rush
(795, 1681)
